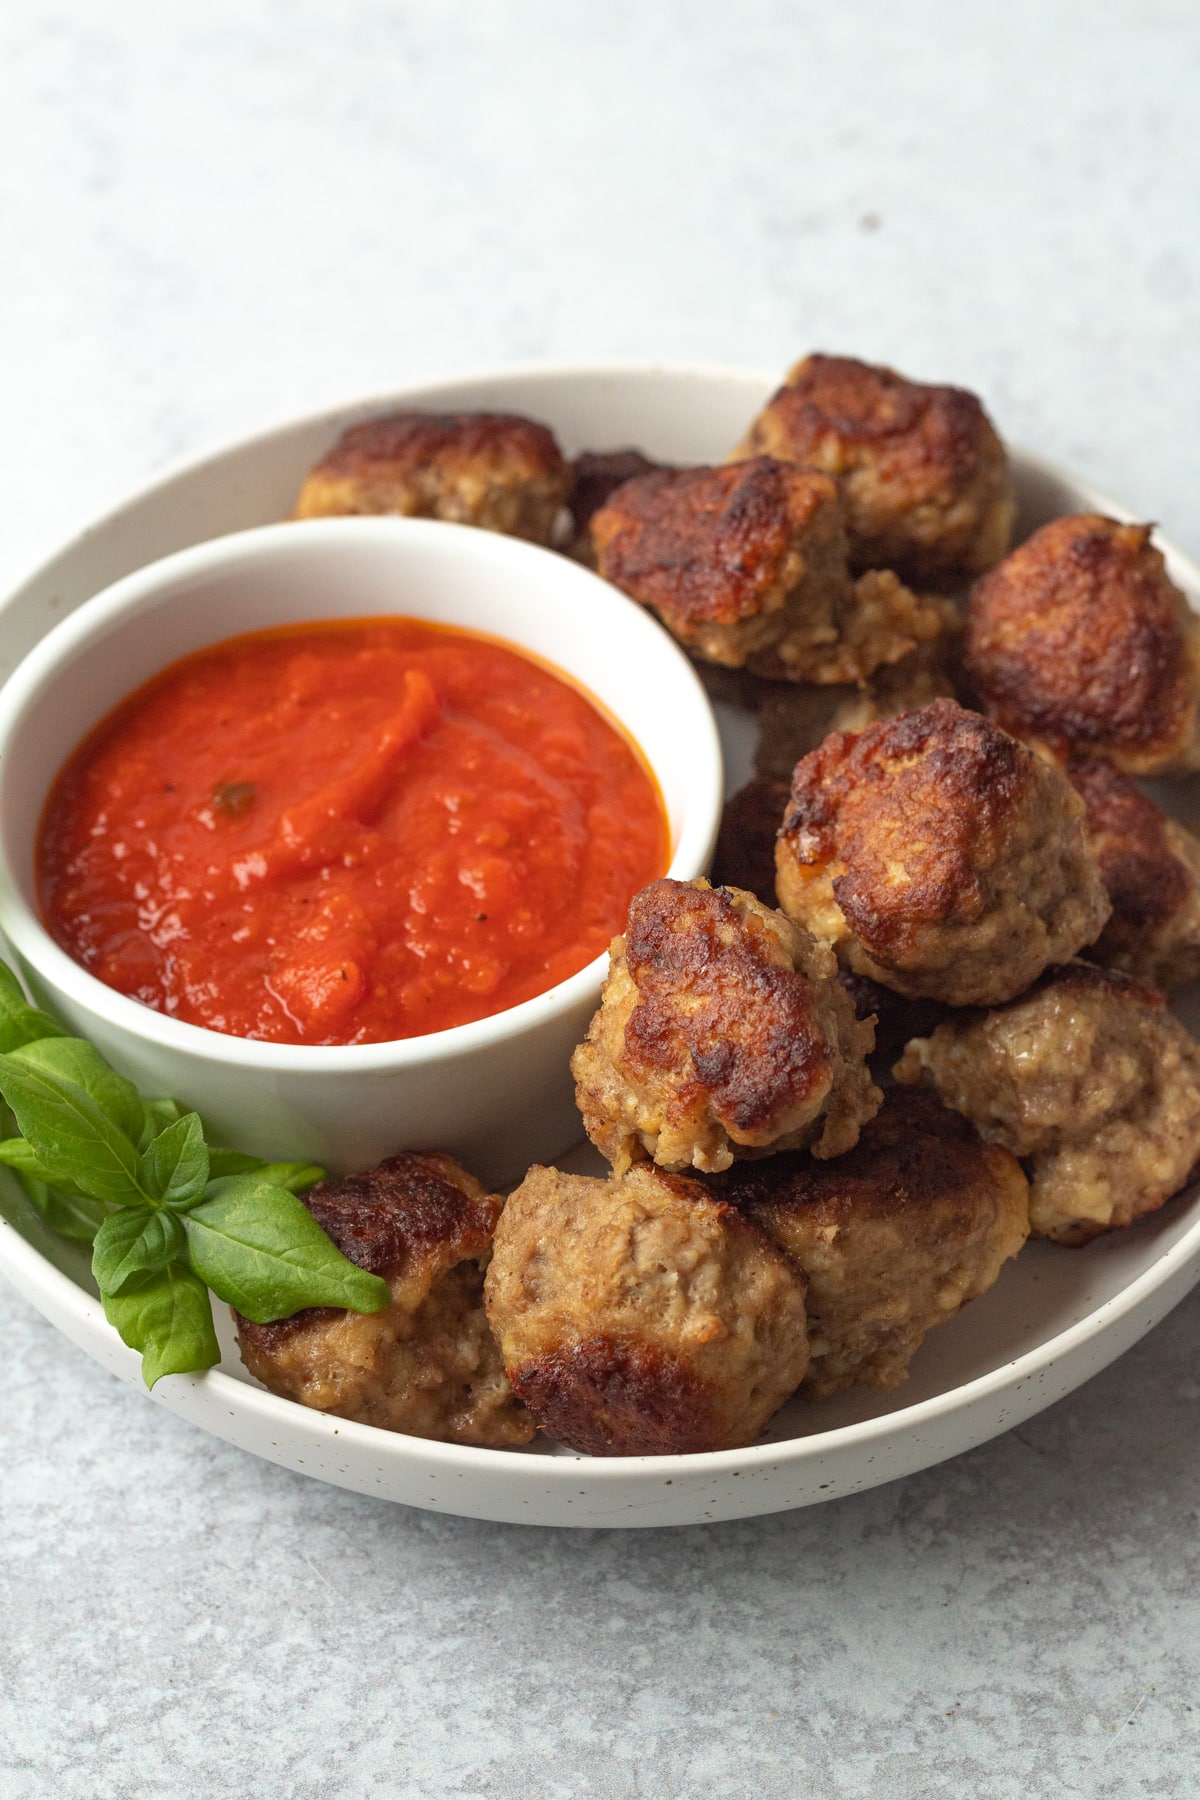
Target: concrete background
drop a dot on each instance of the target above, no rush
(213, 218)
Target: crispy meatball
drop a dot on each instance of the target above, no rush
(923, 476)
(745, 852)
(595, 474)
(894, 1236)
(496, 470)
(427, 1364)
(1151, 869)
(640, 1316)
(721, 1032)
(746, 565)
(794, 719)
(1080, 640)
(939, 856)
(745, 858)
(1087, 1077)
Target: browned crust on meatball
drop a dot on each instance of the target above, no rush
(746, 565)
(745, 852)
(496, 470)
(1127, 832)
(894, 1237)
(720, 1032)
(923, 474)
(1090, 1080)
(642, 1316)
(604, 1396)
(595, 475)
(1151, 869)
(732, 558)
(940, 856)
(907, 1156)
(426, 1364)
(1081, 640)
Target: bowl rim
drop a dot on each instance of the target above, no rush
(19, 695)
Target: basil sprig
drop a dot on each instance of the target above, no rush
(168, 1215)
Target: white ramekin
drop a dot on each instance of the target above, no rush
(496, 1093)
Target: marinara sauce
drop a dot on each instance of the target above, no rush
(345, 833)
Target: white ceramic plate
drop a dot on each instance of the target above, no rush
(1053, 1319)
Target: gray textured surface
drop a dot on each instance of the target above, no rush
(214, 217)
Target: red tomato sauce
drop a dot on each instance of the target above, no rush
(346, 833)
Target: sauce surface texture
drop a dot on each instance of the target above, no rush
(346, 833)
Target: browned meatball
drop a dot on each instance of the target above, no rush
(595, 474)
(1091, 1080)
(1151, 869)
(746, 565)
(795, 719)
(894, 1236)
(1081, 641)
(495, 470)
(427, 1364)
(745, 858)
(923, 476)
(745, 852)
(640, 1316)
(721, 1032)
(939, 856)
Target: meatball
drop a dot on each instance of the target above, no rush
(794, 719)
(1087, 1077)
(721, 1032)
(641, 1316)
(745, 858)
(894, 1236)
(1151, 869)
(939, 856)
(427, 1364)
(496, 470)
(746, 565)
(1080, 640)
(745, 852)
(595, 474)
(923, 476)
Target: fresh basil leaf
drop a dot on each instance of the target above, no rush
(25, 1025)
(297, 1178)
(231, 1162)
(168, 1317)
(21, 1023)
(72, 1216)
(174, 1170)
(12, 994)
(157, 1115)
(259, 1247)
(73, 1137)
(73, 1059)
(135, 1242)
(19, 1154)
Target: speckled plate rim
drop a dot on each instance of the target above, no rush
(625, 1491)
